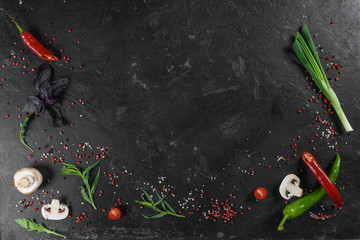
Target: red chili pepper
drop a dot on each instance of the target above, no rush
(322, 178)
(34, 44)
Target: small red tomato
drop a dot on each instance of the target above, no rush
(114, 214)
(260, 193)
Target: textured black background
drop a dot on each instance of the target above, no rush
(195, 91)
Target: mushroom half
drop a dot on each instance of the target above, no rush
(27, 180)
(55, 210)
(290, 187)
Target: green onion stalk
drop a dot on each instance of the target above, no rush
(306, 52)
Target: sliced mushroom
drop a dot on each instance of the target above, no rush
(290, 187)
(27, 180)
(55, 210)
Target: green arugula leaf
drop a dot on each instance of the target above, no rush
(22, 131)
(27, 118)
(33, 226)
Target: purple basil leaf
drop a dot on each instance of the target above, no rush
(42, 75)
(59, 87)
(54, 117)
(34, 105)
(45, 90)
(50, 102)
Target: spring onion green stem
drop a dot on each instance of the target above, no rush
(305, 50)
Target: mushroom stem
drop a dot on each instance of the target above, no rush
(294, 190)
(55, 205)
(24, 182)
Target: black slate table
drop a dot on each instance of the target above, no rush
(196, 99)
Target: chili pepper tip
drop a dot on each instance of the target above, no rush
(307, 157)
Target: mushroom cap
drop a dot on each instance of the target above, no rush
(55, 210)
(27, 180)
(290, 187)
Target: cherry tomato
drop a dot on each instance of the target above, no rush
(114, 213)
(260, 193)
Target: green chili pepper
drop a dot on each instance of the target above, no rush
(295, 209)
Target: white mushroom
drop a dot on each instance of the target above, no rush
(55, 210)
(27, 180)
(290, 187)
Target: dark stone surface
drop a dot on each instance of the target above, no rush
(194, 92)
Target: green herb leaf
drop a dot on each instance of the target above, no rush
(158, 215)
(148, 197)
(84, 195)
(67, 171)
(169, 207)
(85, 175)
(22, 131)
(149, 203)
(145, 204)
(71, 169)
(70, 166)
(162, 202)
(86, 180)
(95, 182)
(91, 167)
(145, 216)
(33, 226)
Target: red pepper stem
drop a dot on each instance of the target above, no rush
(17, 25)
(280, 227)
